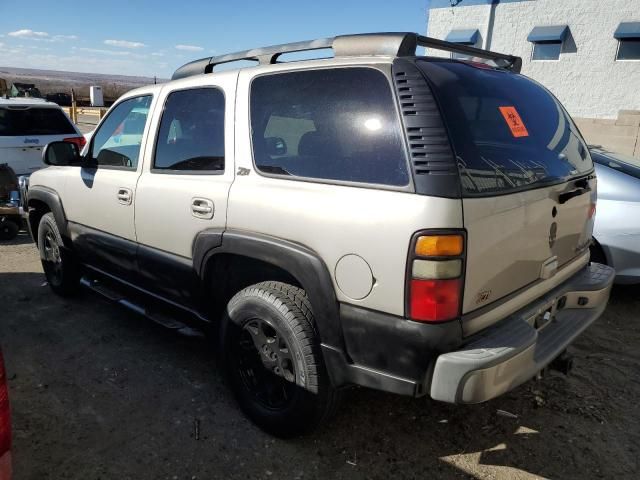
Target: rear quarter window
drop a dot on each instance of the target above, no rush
(329, 124)
(508, 132)
(32, 121)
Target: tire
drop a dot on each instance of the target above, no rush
(285, 390)
(8, 230)
(58, 263)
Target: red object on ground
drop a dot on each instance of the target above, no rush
(5, 425)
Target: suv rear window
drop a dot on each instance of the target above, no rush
(508, 132)
(333, 124)
(34, 121)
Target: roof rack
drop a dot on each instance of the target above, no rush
(386, 44)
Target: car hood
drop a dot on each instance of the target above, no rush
(615, 185)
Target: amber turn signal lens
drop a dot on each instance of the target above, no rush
(439, 246)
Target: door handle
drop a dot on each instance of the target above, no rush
(124, 196)
(202, 208)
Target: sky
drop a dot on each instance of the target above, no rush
(154, 37)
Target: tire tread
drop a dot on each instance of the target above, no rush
(294, 305)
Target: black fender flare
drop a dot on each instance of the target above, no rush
(51, 198)
(299, 261)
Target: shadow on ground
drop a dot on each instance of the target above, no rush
(23, 238)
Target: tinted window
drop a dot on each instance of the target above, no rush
(34, 121)
(191, 135)
(546, 51)
(508, 132)
(629, 49)
(117, 141)
(337, 124)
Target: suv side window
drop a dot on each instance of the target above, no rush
(336, 124)
(117, 142)
(191, 134)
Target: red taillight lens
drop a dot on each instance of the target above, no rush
(434, 300)
(5, 414)
(592, 210)
(80, 141)
(435, 275)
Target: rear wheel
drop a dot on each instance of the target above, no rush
(57, 262)
(273, 361)
(8, 230)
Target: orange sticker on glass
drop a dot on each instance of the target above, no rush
(514, 122)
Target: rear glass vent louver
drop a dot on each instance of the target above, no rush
(432, 159)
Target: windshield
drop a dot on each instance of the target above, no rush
(508, 132)
(34, 121)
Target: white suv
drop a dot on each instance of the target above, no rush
(413, 224)
(26, 126)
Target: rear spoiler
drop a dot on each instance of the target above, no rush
(502, 60)
(367, 44)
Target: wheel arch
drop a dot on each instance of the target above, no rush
(270, 258)
(42, 200)
(600, 249)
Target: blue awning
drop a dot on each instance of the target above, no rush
(628, 30)
(548, 34)
(467, 37)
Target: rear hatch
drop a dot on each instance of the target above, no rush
(525, 173)
(26, 129)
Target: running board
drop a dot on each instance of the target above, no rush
(158, 317)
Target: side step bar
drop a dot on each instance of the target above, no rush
(158, 317)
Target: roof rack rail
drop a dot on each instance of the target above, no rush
(386, 44)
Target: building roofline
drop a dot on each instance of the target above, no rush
(433, 4)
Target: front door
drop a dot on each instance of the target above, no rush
(184, 186)
(100, 196)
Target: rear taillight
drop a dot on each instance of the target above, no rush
(434, 286)
(5, 414)
(79, 141)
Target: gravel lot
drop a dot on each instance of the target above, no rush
(100, 393)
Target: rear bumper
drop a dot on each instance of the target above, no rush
(397, 355)
(502, 357)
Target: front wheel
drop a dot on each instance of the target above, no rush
(57, 262)
(273, 361)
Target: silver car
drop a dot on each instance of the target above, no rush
(617, 229)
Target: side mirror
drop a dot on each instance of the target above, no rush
(61, 154)
(275, 146)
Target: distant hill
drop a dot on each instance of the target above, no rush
(53, 81)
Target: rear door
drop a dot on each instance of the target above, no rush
(526, 177)
(26, 129)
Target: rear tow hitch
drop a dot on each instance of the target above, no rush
(563, 363)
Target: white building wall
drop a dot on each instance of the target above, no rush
(587, 79)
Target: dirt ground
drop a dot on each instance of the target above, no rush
(100, 393)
